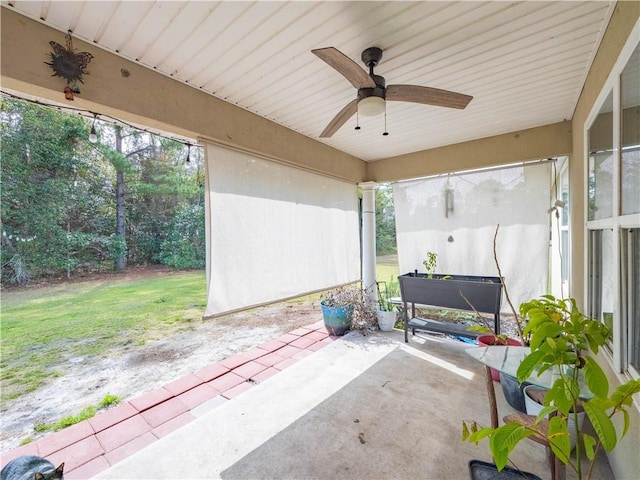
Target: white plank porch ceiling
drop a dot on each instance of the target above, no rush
(523, 62)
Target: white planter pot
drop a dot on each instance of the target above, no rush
(386, 320)
(533, 408)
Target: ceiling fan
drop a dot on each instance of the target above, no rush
(372, 89)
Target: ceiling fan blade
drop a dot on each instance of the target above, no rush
(349, 69)
(343, 115)
(427, 95)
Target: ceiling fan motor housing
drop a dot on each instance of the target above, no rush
(371, 92)
(371, 56)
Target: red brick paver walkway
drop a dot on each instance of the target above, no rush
(93, 445)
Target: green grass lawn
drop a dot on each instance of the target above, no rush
(387, 271)
(40, 327)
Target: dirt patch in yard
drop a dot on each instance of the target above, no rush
(132, 370)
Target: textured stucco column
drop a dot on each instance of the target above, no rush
(369, 240)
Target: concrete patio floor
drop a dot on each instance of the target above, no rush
(303, 405)
(362, 407)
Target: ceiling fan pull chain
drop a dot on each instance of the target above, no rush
(385, 120)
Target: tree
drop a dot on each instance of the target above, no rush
(152, 185)
(184, 245)
(42, 166)
(385, 221)
(166, 187)
(69, 205)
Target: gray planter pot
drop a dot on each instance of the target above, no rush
(513, 391)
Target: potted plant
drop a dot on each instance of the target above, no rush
(461, 292)
(387, 311)
(430, 263)
(344, 309)
(565, 340)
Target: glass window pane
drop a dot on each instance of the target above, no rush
(564, 228)
(608, 278)
(601, 163)
(564, 237)
(601, 276)
(630, 166)
(632, 294)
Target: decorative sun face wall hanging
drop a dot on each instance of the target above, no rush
(68, 64)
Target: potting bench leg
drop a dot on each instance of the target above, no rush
(491, 392)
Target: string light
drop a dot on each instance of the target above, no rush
(83, 112)
(93, 138)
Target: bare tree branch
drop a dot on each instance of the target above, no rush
(504, 285)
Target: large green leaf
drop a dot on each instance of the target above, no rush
(528, 365)
(504, 439)
(589, 446)
(625, 421)
(545, 331)
(602, 424)
(624, 393)
(595, 378)
(546, 411)
(559, 440)
(563, 394)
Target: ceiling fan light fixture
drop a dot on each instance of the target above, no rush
(371, 106)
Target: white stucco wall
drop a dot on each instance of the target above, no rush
(515, 198)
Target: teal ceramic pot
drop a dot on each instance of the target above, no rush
(337, 320)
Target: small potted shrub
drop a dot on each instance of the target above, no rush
(345, 309)
(387, 311)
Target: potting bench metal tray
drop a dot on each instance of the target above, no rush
(437, 326)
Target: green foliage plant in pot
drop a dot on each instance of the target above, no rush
(430, 263)
(344, 309)
(565, 341)
(387, 312)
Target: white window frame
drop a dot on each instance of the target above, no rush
(618, 222)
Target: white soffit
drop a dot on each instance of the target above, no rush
(523, 62)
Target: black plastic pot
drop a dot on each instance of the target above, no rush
(479, 470)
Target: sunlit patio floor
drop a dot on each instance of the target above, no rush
(304, 405)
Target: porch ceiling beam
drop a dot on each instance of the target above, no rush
(138, 95)
(531, 144)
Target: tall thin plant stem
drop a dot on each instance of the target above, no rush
(504, 285)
